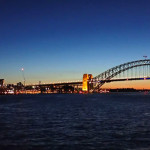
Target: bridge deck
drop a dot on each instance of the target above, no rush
(80, 83)
(126, 79)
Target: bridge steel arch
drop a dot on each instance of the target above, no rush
(112, 72)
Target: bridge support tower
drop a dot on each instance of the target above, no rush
(86, 85)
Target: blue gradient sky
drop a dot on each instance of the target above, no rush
(63, 39)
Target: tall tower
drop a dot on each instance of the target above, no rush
(1, 82)
(86, 78)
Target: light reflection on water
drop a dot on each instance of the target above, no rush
(72, 121)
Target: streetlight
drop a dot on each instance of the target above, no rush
(22, 69)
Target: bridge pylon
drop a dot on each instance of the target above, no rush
(86, 85)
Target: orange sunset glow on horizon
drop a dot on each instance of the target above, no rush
(144, 84)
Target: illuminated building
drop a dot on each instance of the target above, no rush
(86, 78)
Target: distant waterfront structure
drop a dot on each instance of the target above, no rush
(1, 82)
(86, 78)
(19, 84)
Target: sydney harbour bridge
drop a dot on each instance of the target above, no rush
(134, 70)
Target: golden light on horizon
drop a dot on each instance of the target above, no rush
(141, 84)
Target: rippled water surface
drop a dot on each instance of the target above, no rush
(74, 122)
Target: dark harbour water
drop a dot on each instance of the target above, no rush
(75, 122)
